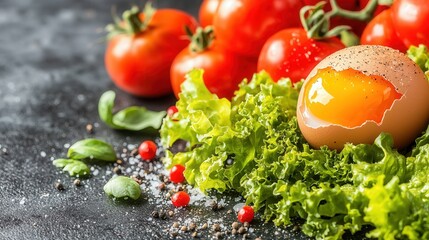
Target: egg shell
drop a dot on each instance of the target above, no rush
(405, 120)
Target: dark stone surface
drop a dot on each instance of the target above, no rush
(51, 77)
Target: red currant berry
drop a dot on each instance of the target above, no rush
(171, 111)
(246, 214)
(180, 199)
(147, 150)
(176, 174)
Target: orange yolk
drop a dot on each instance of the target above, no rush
(348, 97)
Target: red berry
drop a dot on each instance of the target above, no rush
(147, 150)
(171, 111)
(176, 174)
(246, 214)
(180, 199)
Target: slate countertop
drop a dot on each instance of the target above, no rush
(51, 77)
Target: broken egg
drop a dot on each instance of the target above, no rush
(359, 92)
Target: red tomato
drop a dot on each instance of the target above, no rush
(380, 31)
(246, 214)
(140, 63)
(244, 25)
(180, 199)
(290, 53)
(171, 111)
(351, 5)
(147, 150)
(223, 69)
(207, 10)
(410, 20)
(176, 173)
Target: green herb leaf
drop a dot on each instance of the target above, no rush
(122, 187)
(92, 148)
(73, 167)
(133, 118)
(105, 108)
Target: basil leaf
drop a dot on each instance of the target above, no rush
(122, 187)
(133, 118)
(105, 108)
(138, 118)
(93, 149)
(73, 167)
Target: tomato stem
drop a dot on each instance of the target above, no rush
(363, 15)
(316, 22)
(201, 39)
(131, 22)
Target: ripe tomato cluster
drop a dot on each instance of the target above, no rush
(149, 53)
(399, 27)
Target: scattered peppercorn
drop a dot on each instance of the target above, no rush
(89, 128)
(161, 186)
(194, 234)
(234, 232)
(155, 214)
(235, 225)
(163, 215)
(134, 152)
(136, 179)
(205, 226)
(246, 224)
(219, 235)
(117, 170)
(174, 233)
(295, 228)
(192, 226)
(4, 151)
(242, 230)
(214, 206)
(216, 227)
(59, 186)
(77, 182)
(183, 229)
(176, 224)
(170, 213)
(119, 161)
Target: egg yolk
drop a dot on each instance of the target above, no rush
(348, 97)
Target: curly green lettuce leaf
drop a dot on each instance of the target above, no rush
(253, 145)
(223, 151)
(420, 55)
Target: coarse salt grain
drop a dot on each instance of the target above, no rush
(43, 154)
